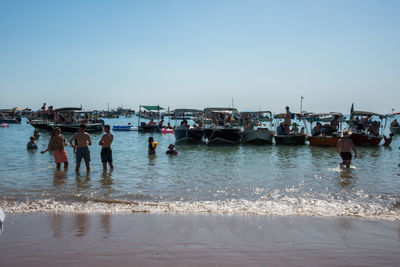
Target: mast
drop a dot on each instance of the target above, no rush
(301, 104)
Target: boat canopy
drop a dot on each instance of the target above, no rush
(259, 113)
(282, 115)
(256, 112)
(187, 110)
(152, 107)
(366, 113)
(67, 109)
(220, 110)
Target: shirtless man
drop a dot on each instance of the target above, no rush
(105, 143)
(344, 147)
(57, 143)
(82, 149)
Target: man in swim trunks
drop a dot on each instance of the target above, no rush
(344, 147)
(82, 149)
(57, 143)
(105, 143)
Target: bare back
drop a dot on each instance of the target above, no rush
(345, 145)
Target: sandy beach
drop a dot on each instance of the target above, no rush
(49, 239)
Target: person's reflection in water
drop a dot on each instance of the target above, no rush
(105, 220)
(56, 224)
(346, 178)
(60, 177)
(81, 224)
(152, 159)
(82, 182)
(106, 179)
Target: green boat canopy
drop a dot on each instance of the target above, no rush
(152, 107)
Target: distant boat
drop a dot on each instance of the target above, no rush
(69, 121)
(149, 112)
(10, 116)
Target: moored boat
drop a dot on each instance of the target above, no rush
(290, 137)
(224, 128)
(184, 132)
(254, 132)
(362, 136)
(124, 128)
(10, 116)
(149, 112)
(69, 120)
(330, 135)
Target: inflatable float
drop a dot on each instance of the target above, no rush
(167, 131)
(4, 125)
(124, 128)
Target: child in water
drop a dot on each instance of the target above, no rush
(171, 150)
(152, 146)
(32, 144)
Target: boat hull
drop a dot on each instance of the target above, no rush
(149, 129)
(73, 128)
(290, 140)
(259, 136)
(222, 136)
(124, 128)
(41, 125)
(188, 135)
(11, 121)
(360, 139)
(323, 140)
(395, 130)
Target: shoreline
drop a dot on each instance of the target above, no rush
(287, 207)
(48, 239)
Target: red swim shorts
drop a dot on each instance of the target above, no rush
(60, 156)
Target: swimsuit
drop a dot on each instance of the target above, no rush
(151, 149)
(106, 155)
(60, 156)
(346, 155)
(82, 152)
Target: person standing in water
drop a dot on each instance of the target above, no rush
(32, 143)
(58, 143)
(344, 147)
(82, 149)
(105, 143)
(152, 146)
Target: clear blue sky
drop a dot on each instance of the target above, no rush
(194, 54)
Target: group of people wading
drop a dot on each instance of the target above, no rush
(80, 141)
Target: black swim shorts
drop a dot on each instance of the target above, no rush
(106, 155)
(346, 155)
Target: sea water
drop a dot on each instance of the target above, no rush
(241, 179)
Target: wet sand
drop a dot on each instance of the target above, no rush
(49, 239)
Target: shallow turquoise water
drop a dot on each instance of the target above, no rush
(269, 179)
